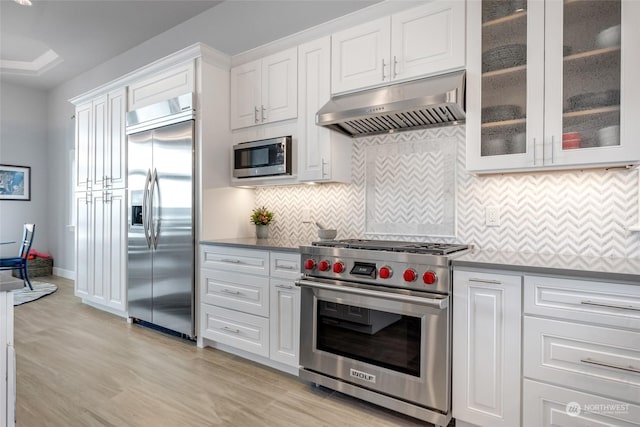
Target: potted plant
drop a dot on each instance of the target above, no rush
(261, 217)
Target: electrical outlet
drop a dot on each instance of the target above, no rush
(492, 216)
(306, 216)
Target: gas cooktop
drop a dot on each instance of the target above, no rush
(394, 246)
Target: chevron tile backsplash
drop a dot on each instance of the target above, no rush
(414, 186)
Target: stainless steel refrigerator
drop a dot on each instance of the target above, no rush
(160, 277)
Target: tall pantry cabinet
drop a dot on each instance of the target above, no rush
(100, 200)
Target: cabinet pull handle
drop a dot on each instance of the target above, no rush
(395, 66)
(534, 152)
(286, 267)
(619, 307)
(255, 114)
(492, 282)
(284, 286)
(553, 149)
(610, 365)
(229, 291)
(228, 329)
(263, 115)
(383, 70)
(323, 165)
(232, 261)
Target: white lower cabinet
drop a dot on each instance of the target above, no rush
(248, 301)
(550, 406)
(581, 353)
(285, 322)
(486, 348)
(7, 362)
(101, 248)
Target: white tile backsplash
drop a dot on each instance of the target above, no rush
(414, 186)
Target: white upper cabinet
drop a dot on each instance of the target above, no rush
(418, 42)
(550, 84)
(101, 142)
(168, 84)
(323, 155)
(265, 90)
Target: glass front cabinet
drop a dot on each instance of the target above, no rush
(552, 84)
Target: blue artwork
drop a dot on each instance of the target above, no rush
(14, 182)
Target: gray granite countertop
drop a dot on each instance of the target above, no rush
(9, 283)
(597, 268)
(284, 245)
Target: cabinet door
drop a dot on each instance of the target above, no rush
(323, 155)
(246, 95)
(84, 248)
(428, 39)
(84, 114)
(284, 325)
(97, 156)
(279, 86)
(115, 148)
(586, 88)
(116, 247)
(505, 80)
(99, 240)
(360, 56)
(486, 348)
(166, 85)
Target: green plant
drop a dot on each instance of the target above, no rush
(261, 216)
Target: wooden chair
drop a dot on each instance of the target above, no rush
(20, 262)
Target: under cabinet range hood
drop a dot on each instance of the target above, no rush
(428, 102)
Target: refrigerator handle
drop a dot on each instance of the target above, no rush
(145, 208)
(152, 222)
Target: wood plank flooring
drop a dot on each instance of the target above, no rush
(78, 366)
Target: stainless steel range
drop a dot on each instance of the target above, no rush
(376, 323)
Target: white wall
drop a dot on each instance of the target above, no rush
(23, 142)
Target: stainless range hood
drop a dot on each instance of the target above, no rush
(433, 101)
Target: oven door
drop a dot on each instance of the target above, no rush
(388, 342)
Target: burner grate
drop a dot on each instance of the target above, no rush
(395, 246)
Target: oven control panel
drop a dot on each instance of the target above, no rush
(413, 276)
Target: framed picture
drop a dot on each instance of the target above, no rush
(15, 182)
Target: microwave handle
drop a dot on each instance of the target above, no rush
(430, 302)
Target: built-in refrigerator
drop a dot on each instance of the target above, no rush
(160, 275)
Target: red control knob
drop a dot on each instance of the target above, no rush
(385, 272)
(324, 265)
(309, 264)
(409, 275)
(429, 277)
(338, 267)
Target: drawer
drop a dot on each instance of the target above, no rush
(601, 360)
(546, 406)
(285, 265)
(250, 261)
(237, 291)
(240, 330)
(611, 304)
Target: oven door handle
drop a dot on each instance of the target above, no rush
(430, 302)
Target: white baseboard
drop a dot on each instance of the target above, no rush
(67, 274)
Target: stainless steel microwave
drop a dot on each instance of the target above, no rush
(267, 157)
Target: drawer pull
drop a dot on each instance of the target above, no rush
(286, 267)
(228, 329)
(229, 291)
(620, 307)
(232, 261)
(284, 286)
(493, 282)
(609, 365)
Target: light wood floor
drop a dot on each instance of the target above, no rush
(78, 366)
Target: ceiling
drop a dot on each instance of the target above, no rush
(52, 41)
